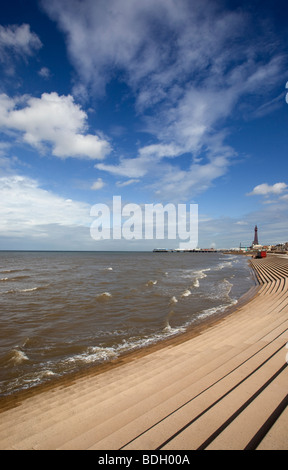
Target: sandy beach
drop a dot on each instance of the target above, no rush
(219, 387)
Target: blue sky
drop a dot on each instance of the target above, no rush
(162, 101)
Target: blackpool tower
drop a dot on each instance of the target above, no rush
(255, 242)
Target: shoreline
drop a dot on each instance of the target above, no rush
(192, 331)
(221, 386)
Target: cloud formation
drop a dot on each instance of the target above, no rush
(53, 120)
(99, 184)
(267, 190)
(187, 63)
(18, 40)
(26, 208)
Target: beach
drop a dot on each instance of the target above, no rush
(220, 385)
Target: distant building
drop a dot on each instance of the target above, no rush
(280, 248)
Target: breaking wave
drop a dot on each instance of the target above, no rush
(104, 296)
(186, 293)
(14, 358)
(24, 291)
(211, 311)
(98, 354)
(173, 300)
(151, 283)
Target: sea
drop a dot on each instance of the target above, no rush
(63, 312)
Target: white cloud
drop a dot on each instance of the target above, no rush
(146, 162)
(159, 151)
(44, 72)
(177, 183)
(18, 39)
(128, 167)
(122, 184)
(99, 184)
(26, 209)
(266, 189)
(54, 120)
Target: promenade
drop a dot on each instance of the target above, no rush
(224, 388)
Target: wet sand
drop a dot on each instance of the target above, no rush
(222, 385)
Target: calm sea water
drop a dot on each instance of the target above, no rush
(62, 312)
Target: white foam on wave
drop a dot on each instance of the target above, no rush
(173, 300)
(12, 270)
(211, 311)
(227, 286)
(196, 283)
(24, 291)
(18, 357)
(186, 293)
(104, 296)
(94, 354)
(151, 283)
(201, 274)
(19, 291)
(223, 265)
(173, 331)
(32, 289)
(139, 343)
(222, 291)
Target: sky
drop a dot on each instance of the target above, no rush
(159, 102)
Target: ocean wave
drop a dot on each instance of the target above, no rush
(104, 296)
(20, 278)
(233, 257)
(173, 331)
(201, 274)
(44, 374)
(139, 343)
(29, 380)
(14, 270)
(186, 293)
(24, 291)
(31, 289)
(14, 279)
(211, 311)
(98, 354)
(195, 275)
(151, 283)
(94, 354)
(223, 265)
(17, 357)
(221, 291)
